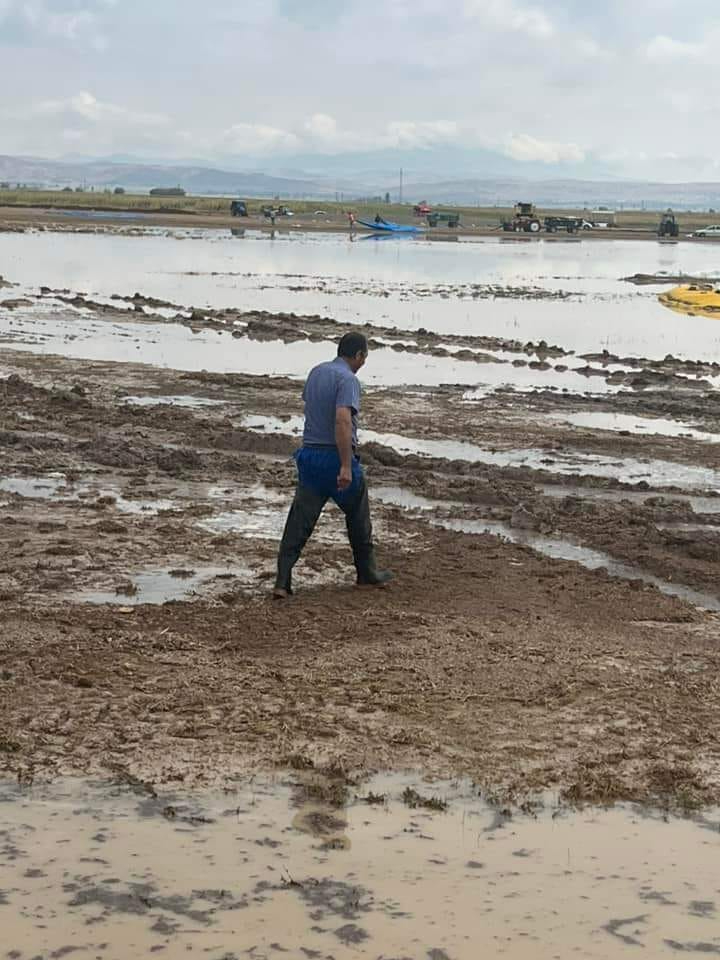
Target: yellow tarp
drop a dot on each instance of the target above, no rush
(692, 298)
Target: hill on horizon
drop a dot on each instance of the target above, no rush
(476, 190)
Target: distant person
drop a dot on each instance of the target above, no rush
(329, 468)
(378, 218)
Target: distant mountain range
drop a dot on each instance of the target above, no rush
(103, 174)
(355, 178)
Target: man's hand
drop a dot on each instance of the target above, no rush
(343, 439)
(344, 479)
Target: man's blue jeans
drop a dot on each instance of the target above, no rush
(318, 469)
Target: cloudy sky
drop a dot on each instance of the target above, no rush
(625, 87)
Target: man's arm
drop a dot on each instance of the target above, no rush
(343, 441)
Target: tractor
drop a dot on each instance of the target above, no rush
(524, 220)
(669, 227)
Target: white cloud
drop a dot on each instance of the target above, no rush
(591, 49)
(75, 21)
(322, 133)
(507, 15)
(322, 127)
(256, 139)
(662, 48)
(85, 122)
(526, 148)
(542, 81)
(85, 106)
(426, 133)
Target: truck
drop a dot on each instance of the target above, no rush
(451, 219)
(568, 224)
(269, 212)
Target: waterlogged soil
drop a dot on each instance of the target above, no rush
(321, 866)
(620, 370)
(484, 657)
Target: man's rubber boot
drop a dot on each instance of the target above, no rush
(304, 512)
(367, 573)
(359, 529)
(377, 578)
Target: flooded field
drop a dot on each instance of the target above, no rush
(105, 870)
(541, 443)
(572, 295)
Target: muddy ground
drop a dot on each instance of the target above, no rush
(484, 657)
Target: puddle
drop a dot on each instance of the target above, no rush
(55, 486)
(399, 497)
(139, 507)
(291, 426)
(659, 473)
(265, 523)
(101, 214)
(698, 504)
(43, 329)
(179, 401)
(628, 422)
(160, 586)
(690, 527)
(550, 547)
(261, 870)
(50, 487)
(256, 491)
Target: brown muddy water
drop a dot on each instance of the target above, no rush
(271, 868)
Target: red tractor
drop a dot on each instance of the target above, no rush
(524, 220)
(421, 209)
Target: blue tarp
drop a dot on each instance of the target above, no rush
(387, 227)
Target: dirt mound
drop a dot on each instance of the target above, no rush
(246, 441)
(113, 453)
(178, 462)
(697, 544)
(385, 456)
(15, 387)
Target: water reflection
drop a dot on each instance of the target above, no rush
(611, 313)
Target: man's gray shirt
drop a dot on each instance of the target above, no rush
(329, 385)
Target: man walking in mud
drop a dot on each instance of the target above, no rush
(329, 468)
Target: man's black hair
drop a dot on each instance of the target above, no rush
(351, 344)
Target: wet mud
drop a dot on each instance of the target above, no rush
(551, 513)
(288, 865)
(191, 766)
(486, 657)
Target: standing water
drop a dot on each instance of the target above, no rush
(398, 869)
